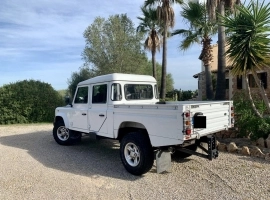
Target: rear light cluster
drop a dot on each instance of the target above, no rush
(232, 116)
(187, 123)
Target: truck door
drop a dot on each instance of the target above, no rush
(98, 110)
(78, 116)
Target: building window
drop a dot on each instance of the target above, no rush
(251, 81)
(239, 82)
(227, 83)
(262, 77)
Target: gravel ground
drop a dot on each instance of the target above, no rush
(34, 166)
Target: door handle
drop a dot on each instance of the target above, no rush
(84, 114)
(101, 115)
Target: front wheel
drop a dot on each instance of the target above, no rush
(63, 135)
(136, 153)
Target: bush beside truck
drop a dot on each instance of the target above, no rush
(28, 101)
(246, 121)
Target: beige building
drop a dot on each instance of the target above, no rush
(233, 83)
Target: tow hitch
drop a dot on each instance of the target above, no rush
(211, 152)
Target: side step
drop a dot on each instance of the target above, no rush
(211, 152)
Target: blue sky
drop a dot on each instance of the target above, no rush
(43, 40)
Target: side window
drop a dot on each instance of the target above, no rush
(99, 94)
(156, 92)
(116, 92)
(138, 92)
(82, 95)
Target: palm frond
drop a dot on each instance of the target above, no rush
(249, 44)
(189, 40)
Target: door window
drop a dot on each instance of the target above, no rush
(99, 94)
(82, 95)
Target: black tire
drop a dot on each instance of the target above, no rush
(64, 136)
(180, 154)
(136, 153)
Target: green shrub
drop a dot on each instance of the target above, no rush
(28, 101)
(247, 122)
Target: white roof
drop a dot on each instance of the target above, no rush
(118, 77)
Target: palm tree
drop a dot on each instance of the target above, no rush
(165, 14)
(249, 43)
(149, 24)
(200, 31)
(212, 5)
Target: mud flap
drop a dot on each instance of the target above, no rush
(163, 161)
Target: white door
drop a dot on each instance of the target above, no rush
(98, 110)
(79, 115)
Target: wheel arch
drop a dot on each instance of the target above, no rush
(63, 118)
(129, 126)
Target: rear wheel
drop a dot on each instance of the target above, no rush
(63, 135)
(180, 154)
(136, 153)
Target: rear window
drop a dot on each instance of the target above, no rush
(138, 91)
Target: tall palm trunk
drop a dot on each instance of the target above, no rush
(221, 82)
(209, 85)
(164, 63)
(206, 56)
(154, 63)
(251, 99)
(153, 36)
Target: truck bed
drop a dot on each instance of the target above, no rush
(169, 120)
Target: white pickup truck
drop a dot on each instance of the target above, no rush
(126, 107)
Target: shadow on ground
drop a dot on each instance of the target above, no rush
(91, 157)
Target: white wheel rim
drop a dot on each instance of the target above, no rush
(63, 133)
(132, 154)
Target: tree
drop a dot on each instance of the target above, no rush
(249, 43)
(84, 73)
(200, 31)
(212, 5)
(149, 25)
(165, 15)
(113, 45)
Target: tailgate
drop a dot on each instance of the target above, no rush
(206, 118)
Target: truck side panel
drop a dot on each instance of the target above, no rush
(164, 126)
